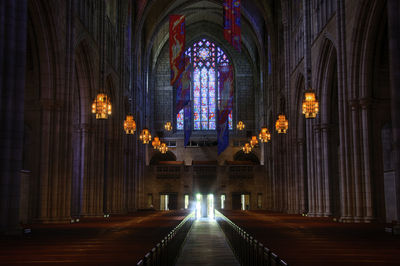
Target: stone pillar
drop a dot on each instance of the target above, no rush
(310, 170)
(317, 162)
(394, 65)
(345, 148)
(357, 186)
(325, 167)
(301, 184)
(13, 37)
(366, 175)
(297, 186)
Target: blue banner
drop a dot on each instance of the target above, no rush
(223, 137)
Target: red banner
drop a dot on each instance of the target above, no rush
(176, 46)
(232, 27)
(225, 92)
(225, 106)
(182, 86)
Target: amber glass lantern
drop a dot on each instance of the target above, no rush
(129, 125)
(168, 126)
(101, 106)
(310, 104)
(163, 148)
(145, 136)
(264, 135)
(240, 125)
(253, 141)
(156, 142)
(281, 124)
(246, 148)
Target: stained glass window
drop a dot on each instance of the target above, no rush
(205, 57)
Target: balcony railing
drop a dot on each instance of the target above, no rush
(166, 251)
(247, 249)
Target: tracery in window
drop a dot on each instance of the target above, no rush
(205, 58)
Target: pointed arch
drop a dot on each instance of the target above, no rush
(85, 76)
(205, 57)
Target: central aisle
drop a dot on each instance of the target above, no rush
(206, 245)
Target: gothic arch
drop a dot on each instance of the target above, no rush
(85, 77)
(326, 74)
(327, 85)
(364, 36)
(370, 92)
(241, 156)
(43, 88)
(301, 144)
(42, 31)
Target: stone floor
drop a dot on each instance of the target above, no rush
(206, 245)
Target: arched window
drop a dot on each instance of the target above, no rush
(205, 58)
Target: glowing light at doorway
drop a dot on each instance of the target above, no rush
(199, 198)
(210, 206)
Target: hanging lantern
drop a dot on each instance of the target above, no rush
(240, 125)
(264, 135)
(101, 106)
(246, 148)
(129, 125)
(253, 141)
(156, 142)
(281, 124)
(168, 126)
(310, 104)
(163, 148)
(145, 136)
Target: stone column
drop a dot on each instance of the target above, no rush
(357, 186)
(366, 175)
(297, 186)
(394, 65)
(301, 185)
(310, 171)
(76, 171)
(345, 148)
(325, 166)
(13, 36)
(317, 162)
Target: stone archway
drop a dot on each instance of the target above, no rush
(329, 131)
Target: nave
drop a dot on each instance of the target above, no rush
(124, 240)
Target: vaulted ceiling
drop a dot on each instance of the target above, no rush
(204, 17)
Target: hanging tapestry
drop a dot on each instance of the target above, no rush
(232, 28)
(176, 46)
(182, 86)
(225, 106)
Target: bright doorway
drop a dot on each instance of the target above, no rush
(164, 202)
(245, 201)
(205, 206)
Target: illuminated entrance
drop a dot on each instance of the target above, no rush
(204, 206)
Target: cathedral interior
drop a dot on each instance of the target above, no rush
(96, 167)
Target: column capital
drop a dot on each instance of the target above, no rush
(327, 126)
(354, 104)
(317, 127)
(366, 102)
